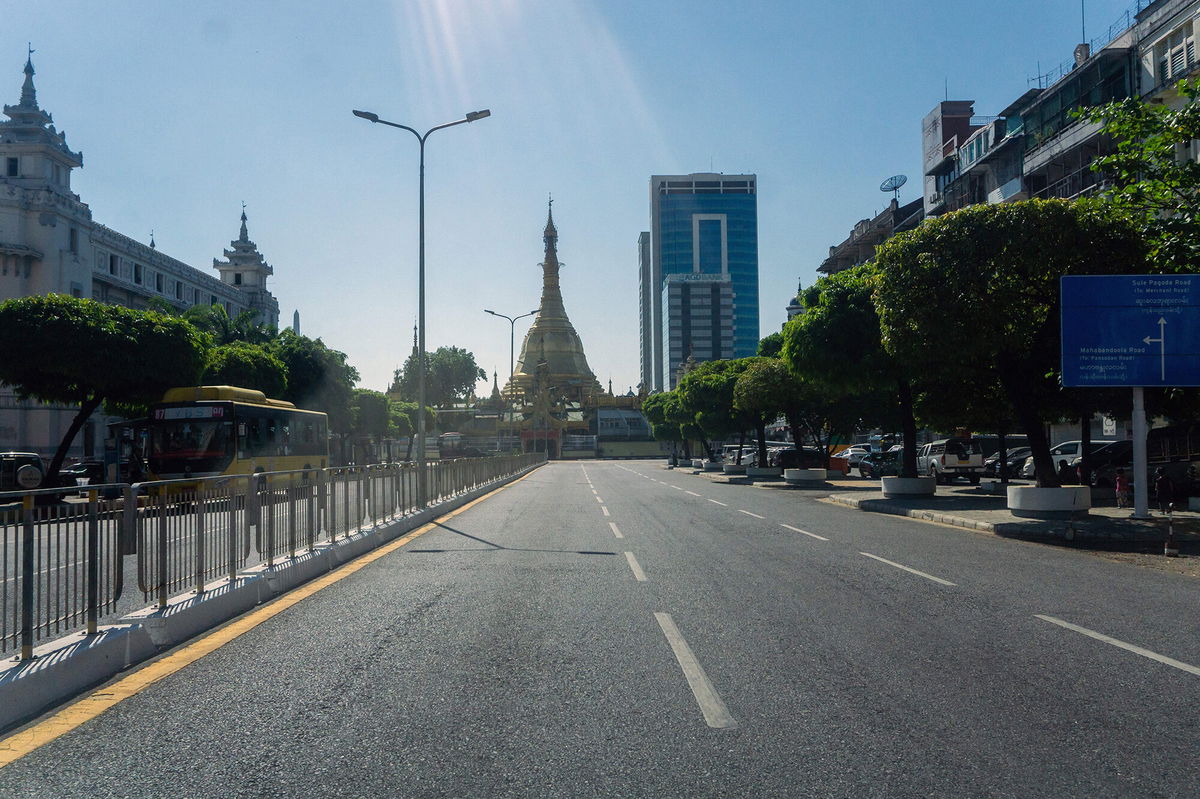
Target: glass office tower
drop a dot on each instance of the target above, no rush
(700, 224)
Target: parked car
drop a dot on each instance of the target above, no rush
(880, 464)
(1106, 460)
(1013, 463)
(21, 470)
(950, 458)
(853, 454)
(1064, 451)
(808, 458)
(92, 470)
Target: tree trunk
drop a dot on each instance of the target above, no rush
(761, 431)
(794, 422)
(1085, 449)
(741, 443)
(908, 425)
(86, 409)
(1039, 445)
(1002, 464)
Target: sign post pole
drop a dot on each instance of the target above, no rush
(1141, 470)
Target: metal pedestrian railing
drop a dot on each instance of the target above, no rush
(61, 560)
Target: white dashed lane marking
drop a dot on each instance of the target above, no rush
(748, 513)
(804, 532)
(907, 569)
(1137, 650)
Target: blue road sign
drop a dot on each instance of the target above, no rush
(1131, 330)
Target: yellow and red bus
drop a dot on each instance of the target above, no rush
(205, 431)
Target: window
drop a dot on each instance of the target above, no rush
(213, 301)
(237, 278)
(158, 282)
(137, 274)
(114, 264)
(73, 240)
(14, 167)
(179, 289)
(195, 296)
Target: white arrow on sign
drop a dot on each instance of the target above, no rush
(1162, 347)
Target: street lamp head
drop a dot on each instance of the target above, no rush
(367, 115)
(476, 115)
(535, 310)
(493, 313)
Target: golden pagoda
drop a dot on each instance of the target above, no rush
(552, 360)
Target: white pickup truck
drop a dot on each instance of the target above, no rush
(950, 458)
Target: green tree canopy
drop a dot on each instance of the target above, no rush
(836, 348)
(707, 395)
(318, 378)
(450, 376)
(79, 352)
(240, 363)
(215, 320)
(1148, 178)
(980, 286)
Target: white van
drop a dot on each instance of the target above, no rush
(1065, 451)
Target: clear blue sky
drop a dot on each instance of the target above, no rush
(184, 110)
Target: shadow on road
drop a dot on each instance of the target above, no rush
(494, 547)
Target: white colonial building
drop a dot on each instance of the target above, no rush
(50, 244)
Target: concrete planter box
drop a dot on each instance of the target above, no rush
(908, 486)
(805, 476)
(1031, 502)
(762, 472)
(1194, 503)
(733, 468)
(711, 466)
(697, 463)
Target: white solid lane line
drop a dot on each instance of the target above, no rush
(1137, 650)
(804, 532)
(636, 567)
(722, 504)
(693, 493)
(907, 569)
(605, 509)
(616, 532)
(748, 513)
(715, 713)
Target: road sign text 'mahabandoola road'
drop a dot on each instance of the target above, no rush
(1131, 330)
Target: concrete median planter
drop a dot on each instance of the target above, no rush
(712, 466)
(1031, 502)
(697, 463)
(763, 472)
(733, 468)
(813, 477)
(908, 486)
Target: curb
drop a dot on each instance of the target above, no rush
(66, 666)
(881, 506)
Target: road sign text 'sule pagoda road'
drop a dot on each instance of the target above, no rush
(1131, 330)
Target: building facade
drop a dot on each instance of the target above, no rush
(702, 224)
(49, 243)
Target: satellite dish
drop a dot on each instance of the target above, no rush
(893, 184)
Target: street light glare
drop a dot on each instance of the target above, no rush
(474, 115)
(368, 115)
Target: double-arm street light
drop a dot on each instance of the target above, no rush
(512, 338)
(373, 117)
(512, 335)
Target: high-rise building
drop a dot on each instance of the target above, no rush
(703, 229)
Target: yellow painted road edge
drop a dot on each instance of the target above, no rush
(22, 743)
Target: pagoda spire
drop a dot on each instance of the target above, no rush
(28, 92)
(244, 236)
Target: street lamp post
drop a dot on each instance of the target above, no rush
(512, 340)
(373, 117)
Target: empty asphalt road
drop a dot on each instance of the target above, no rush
(618, 629)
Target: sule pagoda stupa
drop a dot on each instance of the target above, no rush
(551, 383)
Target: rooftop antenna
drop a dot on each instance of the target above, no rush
(893, 184)
(1082, 21)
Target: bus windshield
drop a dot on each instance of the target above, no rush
(190, 446)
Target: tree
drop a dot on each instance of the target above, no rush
(450, 376)
(707, 394)
(940, 287)
(670, 421)
(837, 345)
(763, 391)
(318, 378)
(770, 346)
(215, 320)
(77, 351)
(372, 416)
(405, 416)
(1149, 180)
(240, 363)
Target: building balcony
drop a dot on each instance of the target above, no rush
(1009, 192)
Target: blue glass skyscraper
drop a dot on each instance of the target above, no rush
(704, 230)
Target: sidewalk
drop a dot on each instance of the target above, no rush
(1106, 530)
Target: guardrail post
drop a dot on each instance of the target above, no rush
(290, 493)
(231, 532)
(270, 530)
(200, 539)
(93, 563)
(162, 548)
(27, 576)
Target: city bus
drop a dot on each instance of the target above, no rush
(206, 431)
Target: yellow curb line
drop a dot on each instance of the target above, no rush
(18, 745)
